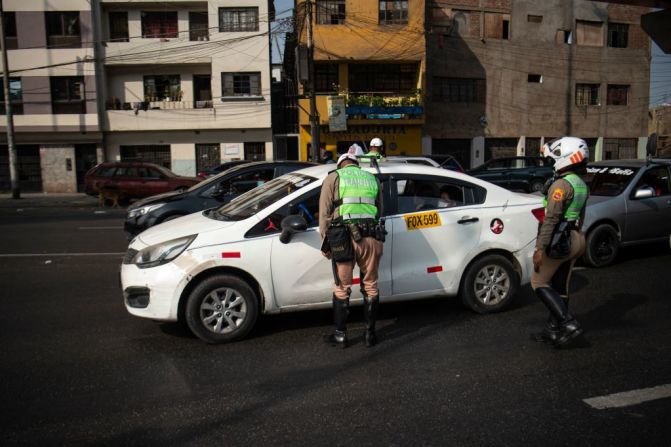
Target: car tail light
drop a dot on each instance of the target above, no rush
(539, 214)
(202, 174)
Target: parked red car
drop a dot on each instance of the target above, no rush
(135, 179)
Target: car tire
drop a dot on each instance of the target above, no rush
(602, 246)
(536, 185)
(490, 284)
(208, 316)
(181, 189)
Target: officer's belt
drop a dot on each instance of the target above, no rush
(347, 217)
(349, 200)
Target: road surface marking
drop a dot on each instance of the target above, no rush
(628, 398)
(42, 255)
(100, 228)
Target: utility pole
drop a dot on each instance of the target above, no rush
(13, 168)
(314, 115)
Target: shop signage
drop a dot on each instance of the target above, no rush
(366, 129)
(337, 115)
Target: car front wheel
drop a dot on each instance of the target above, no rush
(489, 285)
(602, 246)
(221, 309)
(536, 185)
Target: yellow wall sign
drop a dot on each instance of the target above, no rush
(420, 221)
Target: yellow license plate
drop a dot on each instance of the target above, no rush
(419, 221)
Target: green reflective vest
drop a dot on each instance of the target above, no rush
(371, 154)
(580, 196)
(357, 190)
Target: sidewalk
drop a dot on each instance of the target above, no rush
(44, 200)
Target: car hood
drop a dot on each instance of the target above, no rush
(165, 197)
(195, 223)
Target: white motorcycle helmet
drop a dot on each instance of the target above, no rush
(347, 156)
(566, 151)
(376, 142)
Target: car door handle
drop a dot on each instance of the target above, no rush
(465, 220)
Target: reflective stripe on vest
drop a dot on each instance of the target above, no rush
(580, 195)
(357, 190)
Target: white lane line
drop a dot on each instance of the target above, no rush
(101, 228)
(628, 398)
(43, 255)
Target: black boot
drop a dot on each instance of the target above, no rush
(370, 305)
(550, 332)
(569, 328)
(340, 313)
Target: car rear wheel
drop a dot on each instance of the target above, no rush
(536, 185)
(602, 246)
(489, 285)
(221, 309)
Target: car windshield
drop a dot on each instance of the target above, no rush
(261, 197)
(608, 180)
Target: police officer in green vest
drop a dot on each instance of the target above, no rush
(349, 218)
(376, 149)
(560, 241)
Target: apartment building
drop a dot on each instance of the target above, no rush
(54, 101)
(182, 83)
(187, 83)
(503, 76)
(369, 56)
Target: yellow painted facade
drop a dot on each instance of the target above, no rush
(362, 39)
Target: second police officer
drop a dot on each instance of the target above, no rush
(560, 241)
(376, 149)
(350, 205)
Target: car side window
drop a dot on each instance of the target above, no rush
(285, 169)
(126, 171)
(148, 173)
(415, 195)
(306, 205)
(107, 172)
(240, 183)
(518, 163)
(498, 164)
(656, 178)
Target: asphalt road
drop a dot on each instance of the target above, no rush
(76, 369)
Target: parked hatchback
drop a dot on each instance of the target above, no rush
(519, 173)
(135, 179)
(629, 203)
(215, 191)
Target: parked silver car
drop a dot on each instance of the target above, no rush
(630, 203)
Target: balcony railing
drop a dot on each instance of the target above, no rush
(158, 105)
(384, 105)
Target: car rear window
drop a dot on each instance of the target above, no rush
(608, 180)
(107, 171)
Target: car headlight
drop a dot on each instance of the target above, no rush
(137, 212)
(162, 253)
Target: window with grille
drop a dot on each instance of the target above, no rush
(67, 95)
(149, 153)
(383, 77)
(618, 35)
(10, 30)
(587, 95)
(159, 24)
(326, 78)
(330, 12)
(458, 90)
(255, 152)
(15, 95)
(63, 29)
(118, 21)
(617, 95)
(160, 87)
(393, 12)
(198, 26)
(238, 19)
(241, 84)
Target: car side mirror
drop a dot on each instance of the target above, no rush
(290, 225)
(644, 192)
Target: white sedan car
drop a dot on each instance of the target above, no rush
(449, 234)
